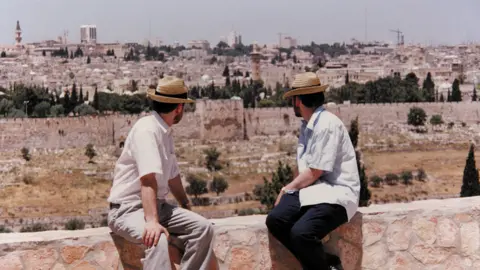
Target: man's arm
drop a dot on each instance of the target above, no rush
(153, 229)
(304, 179)
(149, 197)
(176, 187)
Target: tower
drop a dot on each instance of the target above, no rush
(255, 57)
(18, 35)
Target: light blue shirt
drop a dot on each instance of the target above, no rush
(324, 144)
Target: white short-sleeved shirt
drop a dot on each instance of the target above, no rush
(148, 149)
(324, 144)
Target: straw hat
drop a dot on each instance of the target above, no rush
(305, 84)
(170, 90)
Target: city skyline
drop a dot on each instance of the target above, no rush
(428, 22)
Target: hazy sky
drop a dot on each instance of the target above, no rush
(426, 21)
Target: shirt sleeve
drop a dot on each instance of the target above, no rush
(146, 152)
(325, 144)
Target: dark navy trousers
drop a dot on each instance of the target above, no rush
(301, 229)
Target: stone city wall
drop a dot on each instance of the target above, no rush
(436, 234)
(212, 120)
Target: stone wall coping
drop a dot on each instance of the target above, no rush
(440, 205)
(9, 238)
(455, 204)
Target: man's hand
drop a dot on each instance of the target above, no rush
(279, 197)
(153, 231)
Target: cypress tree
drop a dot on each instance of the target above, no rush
(95, 99)
(474, 96)
(74, 97)
(66, 102)
(365, 193)
(470, 186)
(456, 94)
(80, 99)
(429, 88)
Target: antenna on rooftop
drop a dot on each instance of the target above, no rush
(366, 26)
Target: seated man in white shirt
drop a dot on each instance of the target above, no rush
(144, 174)
(325, 191)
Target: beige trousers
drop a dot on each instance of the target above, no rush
(190, 232)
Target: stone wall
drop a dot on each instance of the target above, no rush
(420, 235)
(212, 120)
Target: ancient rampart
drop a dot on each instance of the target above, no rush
(212, 120)
(436, 234)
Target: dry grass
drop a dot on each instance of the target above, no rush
(55, 184)
(56, 194)
(443, 167)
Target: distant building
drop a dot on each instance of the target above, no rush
(288, 42)
(18, 36)
(199, 44)
(233, 39)
(193, 53)
(88, 34)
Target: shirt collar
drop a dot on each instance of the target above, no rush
(165, 128)
(311, 123)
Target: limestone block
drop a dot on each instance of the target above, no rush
(447, 233)
(375, 256)
(402, 261)
(470, 238)
(372, 233)
(72, 253)
(11, 262)
(131, 254)
(43, 258)
(349, 254)
(427, 254)
(425, 229)
(399, 235)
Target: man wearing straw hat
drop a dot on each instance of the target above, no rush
(325, 191)
(144, 174)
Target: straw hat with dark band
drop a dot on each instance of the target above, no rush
(170, 90)
(305, 84)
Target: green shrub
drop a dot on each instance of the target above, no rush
(197, 186)
(248, 212)
(391, 179)
(407, 177)
(421, 175)
(376, 181)
(436, 120)
(4, 229)
(104, 222)
(36, 227)
(75, 224)
(26, 154)
(417, 116)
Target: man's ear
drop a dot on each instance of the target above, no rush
(180, 107)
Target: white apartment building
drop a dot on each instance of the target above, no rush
(233, 39)
(288, 42)
(199, 44)
(88, 34)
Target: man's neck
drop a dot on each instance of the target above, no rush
(167, 119)
(307, 114)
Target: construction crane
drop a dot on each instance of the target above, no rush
(400, 40)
